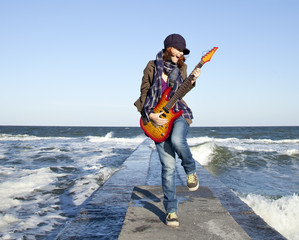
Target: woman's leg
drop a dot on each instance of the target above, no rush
(178, 139)
(167, 158)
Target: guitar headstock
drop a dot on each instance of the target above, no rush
(207, 57)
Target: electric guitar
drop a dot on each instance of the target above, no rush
(160, 133)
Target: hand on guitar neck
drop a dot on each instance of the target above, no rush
(155, 117)
(196, 72)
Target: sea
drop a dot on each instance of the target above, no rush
(47, 173)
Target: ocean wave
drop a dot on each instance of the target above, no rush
(37, 195)
(282, 214)
(23, 183)
(195, 140)
(46, 175)
(86, 186)
(27, 191)
(25, 137)
(203, 153)
(109, 138)
(284, 147)
(292, 152)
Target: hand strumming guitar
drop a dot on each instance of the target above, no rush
(155, 117)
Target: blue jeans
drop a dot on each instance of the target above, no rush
(176, 143)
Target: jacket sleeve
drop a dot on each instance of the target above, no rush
(147, 80)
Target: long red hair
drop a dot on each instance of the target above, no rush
(168, 54)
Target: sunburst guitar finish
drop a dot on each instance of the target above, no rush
(154, 131)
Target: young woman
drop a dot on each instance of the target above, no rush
(169, 69)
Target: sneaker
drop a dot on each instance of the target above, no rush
(192, 182)
(172, 220)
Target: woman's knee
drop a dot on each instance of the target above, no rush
(175, 141)
(168, 167)
(178, 141)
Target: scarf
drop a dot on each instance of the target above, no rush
(171, 69)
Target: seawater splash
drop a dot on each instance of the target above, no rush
(261, 162)
(79, 189)
(108, 138)
(21, 196)
(47, 173)
(286, 147)
(281, 214)
(27, 137)
(263, 172)
(203, 153)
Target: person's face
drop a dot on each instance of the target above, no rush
(176, 54)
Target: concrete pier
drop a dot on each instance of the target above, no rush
(129, 206)
(201, 216)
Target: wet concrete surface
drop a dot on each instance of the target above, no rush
(201, 216)
(253, 224)
(103, 215)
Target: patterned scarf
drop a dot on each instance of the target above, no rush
(171, 69)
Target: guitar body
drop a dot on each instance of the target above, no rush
(154, 131)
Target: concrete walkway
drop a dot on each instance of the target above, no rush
(201, 216)
(129, 206)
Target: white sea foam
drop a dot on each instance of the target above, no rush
(199, 140)
(24, 184)
(27, 185)
(2, 156)
(25, 137)
(203, 153)
(292, 152)
(282, 214)
(6, 219)
(44, 179)
(27, 202)
(284, 147)
(125, 142)
(84, 187)
(30, 191)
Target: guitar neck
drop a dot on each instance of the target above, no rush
(182, 90)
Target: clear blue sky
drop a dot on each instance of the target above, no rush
(81, 62)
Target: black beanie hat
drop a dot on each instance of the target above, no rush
(177, 41)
